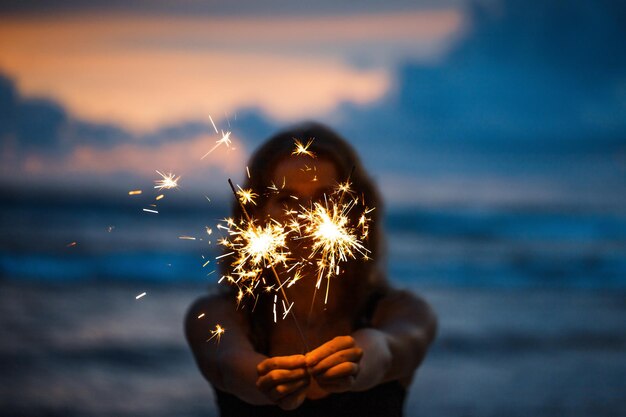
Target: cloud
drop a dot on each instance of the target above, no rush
(142, 72)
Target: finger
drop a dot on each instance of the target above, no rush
(293, 400)
(281, 391)
(328, 348)
(280, 376)
(281, 362)
(346, 355)
(342, 370)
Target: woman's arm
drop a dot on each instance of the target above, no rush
(403, 327)
(232, 365)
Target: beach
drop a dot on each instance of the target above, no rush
(93, 349)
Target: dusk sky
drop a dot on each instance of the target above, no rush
(440, 98)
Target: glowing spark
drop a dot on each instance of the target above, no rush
(110, 229)
(168, 181)
(224, 255)
(275, 296)
(213, 123)
(344, 187)
(135, 192)
(151, 211)
(286, 310)
(201, 315)
(209, 231)
(296, 277)
(303, 149)
(248, 171)
(255, 247)
(246, 196)
(334, 238)
(160, 196)
(186, 237)
(217, 333)
(225, 140)
(140, 295)
(206, 263)
(69, 245)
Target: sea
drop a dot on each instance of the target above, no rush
(531, 304)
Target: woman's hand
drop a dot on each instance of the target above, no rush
(335, 364)
(284, 380)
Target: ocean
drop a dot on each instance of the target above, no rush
(531, 304)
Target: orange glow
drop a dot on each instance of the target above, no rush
(142, 72)
(141, 159)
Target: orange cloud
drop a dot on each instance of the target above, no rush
(145, 71)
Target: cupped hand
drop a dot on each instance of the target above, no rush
(335, 364)
(284, 380)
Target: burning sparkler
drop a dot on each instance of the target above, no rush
(335, 238)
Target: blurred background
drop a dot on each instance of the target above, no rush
(496, 131)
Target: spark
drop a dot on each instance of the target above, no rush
(275, 297)
(344, 187)
(167, 181)
(135, 192)
(160, 196)
(334, 238)
(186, 237)
(206, 263)
(255, 247)
(286, 310)
(140, 295)
(303, 149)
(110, 229)
(151, 211)
(201, 315)
(69, 245)
(246, 196)
(248, 171)
(217, 333)
(209, 231)
(225, 140)
(213, 123)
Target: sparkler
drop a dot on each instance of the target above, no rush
(334, 238)
(256, 248)
(168, 181)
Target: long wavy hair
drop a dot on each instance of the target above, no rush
(364, 277)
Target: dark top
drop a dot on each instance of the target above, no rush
(382, 400)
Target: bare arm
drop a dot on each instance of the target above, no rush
(403, 327)
(231, 364)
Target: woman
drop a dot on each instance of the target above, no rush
(364, 342)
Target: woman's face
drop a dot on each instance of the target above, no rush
(305, 180)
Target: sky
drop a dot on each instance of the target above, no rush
(486, 101)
